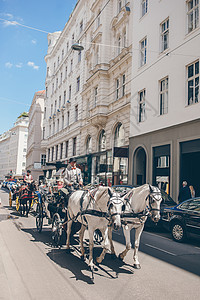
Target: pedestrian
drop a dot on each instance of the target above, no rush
(184, 193)
(192, 191)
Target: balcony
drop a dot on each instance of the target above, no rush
(98, 116)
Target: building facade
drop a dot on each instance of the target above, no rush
(88, 93)
(36, 156)
(13, 148)
(164, 123)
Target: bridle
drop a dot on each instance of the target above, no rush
(151, 199)
(116, 200)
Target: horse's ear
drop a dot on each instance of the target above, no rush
(150, 188)
(110, 192)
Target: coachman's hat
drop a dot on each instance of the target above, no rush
(72, 159)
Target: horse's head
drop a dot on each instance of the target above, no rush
(115, 208)
(155, 198)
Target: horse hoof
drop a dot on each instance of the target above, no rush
(137, 266)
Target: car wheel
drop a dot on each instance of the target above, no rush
(178, 232)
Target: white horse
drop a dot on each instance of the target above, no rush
(140, 202)
(95, 209)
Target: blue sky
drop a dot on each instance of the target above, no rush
(22, 51)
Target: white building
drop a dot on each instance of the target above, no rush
(36, 156)
(164, 123)
(88, 95)
(13, 147)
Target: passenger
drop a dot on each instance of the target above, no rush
(28, 178)
(72, 175)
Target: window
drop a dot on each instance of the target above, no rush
(119, 136)
(56, 152)
(144, 6)
(51, 109)
(55, 105)
(89, 145)
(79, 56)
(71, 65)
(45, 112)
(52, 153)
(95, 96)
(24, 150)
(52, 88)
(23, 164)
(119, 45)
(70, 92)
(54, 67)
(43, 159)
(123, 84)
(102, 141)
(60, 78)
(164, 35)
(59, 101)
(56, 83)
(49, 154)
(163, 162)
(67, 46)
(192, 14)
(141, 105)
(64, 98)
(63, 119)
(81, 26)
(66, 148)
(76, 113)
(124, 38)
(119, 5)
(193, 83)
(72, 38)
(65, 72)
(68, 115)
(98, 20)
(61, 150)
(43, 133)
(58, 122)
(143, 52)
(49, 130)
(58, 60)
(62, 53)
(53, 127)
(74, 146)
(78, 84)
(46, 92)
(117, 89)
(47, 71)
(164, 96)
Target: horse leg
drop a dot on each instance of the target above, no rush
(128, 243)
(111, 241)
(91, 245)
(105, 247)
(69, 225)
(81, 235)
(138, 232)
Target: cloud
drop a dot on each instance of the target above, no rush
(32, 64)
(34, 42)
(8, 65)
(7, 23)
(10, 16)
(19, 65)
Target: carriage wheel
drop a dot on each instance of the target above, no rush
(17, 203)
(39, 217)
(56, 229)
(98, 236)
(10, 199)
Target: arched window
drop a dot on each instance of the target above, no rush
(89, 145)
(119, 136)
(102, 141)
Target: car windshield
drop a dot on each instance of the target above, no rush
(193, 204)
(167, 200)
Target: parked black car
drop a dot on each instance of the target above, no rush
(122, 189)
(183, 219)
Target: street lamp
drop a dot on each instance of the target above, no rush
(77, 47)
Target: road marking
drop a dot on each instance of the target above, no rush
(161, 250)
(157, 235)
